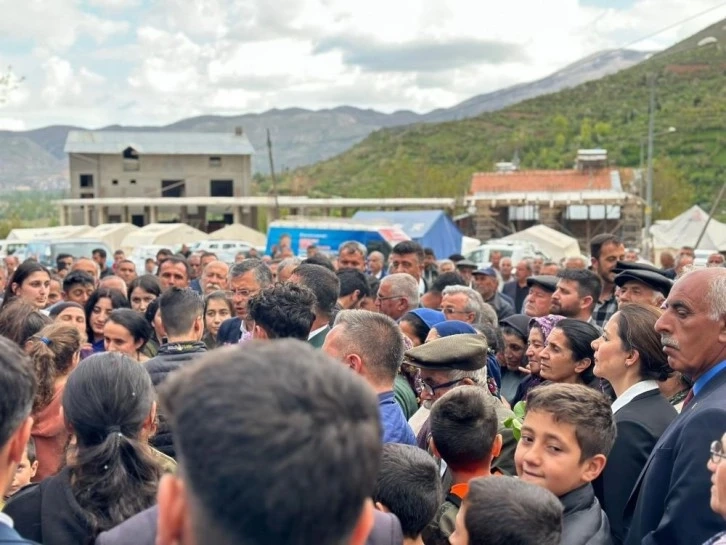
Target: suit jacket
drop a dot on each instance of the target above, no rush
(670, 503)
(141, 530)
(319, 338)
(640, 424)
(229, 332)
(510, 290)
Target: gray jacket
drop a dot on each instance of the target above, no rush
(584, 522)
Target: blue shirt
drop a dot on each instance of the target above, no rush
(707, 376)
(395, 427)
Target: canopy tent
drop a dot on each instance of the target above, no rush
(242, 233)
(165, 234)
(430, 228)
(113, 234)
(37, 233)
(684, 230)
(550, 242)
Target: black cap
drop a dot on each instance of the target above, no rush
(544, 281)
(653, 280)
(633, 266)
(465, 263)
(518, 322)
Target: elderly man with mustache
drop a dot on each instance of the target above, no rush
(214, 277)
(670, 501)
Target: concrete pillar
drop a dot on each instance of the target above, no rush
(184, 215)
(62, 215)
(153, 214)
(254, 217)
(236, 214)
(87, 214)
(125, 216)
(102, 215)
(484, 222)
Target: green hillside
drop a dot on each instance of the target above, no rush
(438, 159)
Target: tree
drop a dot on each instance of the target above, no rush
(672, 193)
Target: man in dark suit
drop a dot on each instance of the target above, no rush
(326, 287)
(518, 289)
(246, 279)
(670, 501)
(17, 384)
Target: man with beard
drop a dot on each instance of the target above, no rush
(606, 250)
(576, 294)
(539, 300)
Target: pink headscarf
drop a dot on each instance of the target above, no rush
(546, 324)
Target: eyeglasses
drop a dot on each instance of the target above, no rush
(449, 310)
(717, 453)
(431, 390)
(240, 293)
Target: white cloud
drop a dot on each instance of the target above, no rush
(234, 56)
(12, 124)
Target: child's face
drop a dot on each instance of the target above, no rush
(548, 455)
(23, 474)
(460, 535)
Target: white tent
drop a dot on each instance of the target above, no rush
(684, 230)
(241, 233)
(554, 244)
(37, 233)
(166, 234)
(113, 234)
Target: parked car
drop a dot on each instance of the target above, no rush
(46, 251)
(514, 250)
(225, 250)
(12, 247)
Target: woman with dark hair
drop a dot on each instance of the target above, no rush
(629, 354)
(217, 308)
(568, 356)
(127, 331)
(55, 352)
(153, 317)
(30, 282)
(98, 308)
(515, 330)
(19, 321)
(539, 329)
(142, 291)
(416, 324)
(112, 473)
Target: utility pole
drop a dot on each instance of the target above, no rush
(649, 179)
(272, 173)
(711, 213)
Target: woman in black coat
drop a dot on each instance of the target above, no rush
(629, 355)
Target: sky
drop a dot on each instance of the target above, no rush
(94, 63)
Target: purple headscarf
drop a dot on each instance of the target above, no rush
(546, 324)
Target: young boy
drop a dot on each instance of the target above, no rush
(567, 434)
(464, 435)
(506, 510)
(26, 469)
(408, 486)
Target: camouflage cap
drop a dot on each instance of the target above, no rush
(466, 352)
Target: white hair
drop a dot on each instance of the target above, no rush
(716, 297)
(405, 285)
(474, 301)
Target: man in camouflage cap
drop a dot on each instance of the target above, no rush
(452, 361)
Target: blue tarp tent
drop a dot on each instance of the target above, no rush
(430, 228)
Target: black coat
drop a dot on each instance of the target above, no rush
(229, 332)
(640, 424)
(171, 357)
(583, 520)
(671, 501)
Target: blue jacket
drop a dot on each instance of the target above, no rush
(395, 427)
(8, 535)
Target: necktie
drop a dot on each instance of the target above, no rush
(688, 398)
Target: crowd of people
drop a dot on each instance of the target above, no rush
(363, 399)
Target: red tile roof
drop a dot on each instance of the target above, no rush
(540, 180)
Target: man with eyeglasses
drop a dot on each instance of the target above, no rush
(246, 279)
(670, 500)
(717, 467)
(453, 361)
(397, 295)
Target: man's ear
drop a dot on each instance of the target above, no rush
(363, 527)
(592, 467)
(171, 523)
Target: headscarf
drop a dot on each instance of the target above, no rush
(546, 324)
(453, 327)
(429, 316)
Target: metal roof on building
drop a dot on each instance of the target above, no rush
(158, 143)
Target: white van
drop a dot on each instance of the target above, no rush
(516, 251)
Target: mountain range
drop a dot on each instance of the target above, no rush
(300, 137)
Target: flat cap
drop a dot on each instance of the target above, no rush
(621, 266)
(466, 352)
(544, 281)
(465, 263)
(653, 280)
(488, 271)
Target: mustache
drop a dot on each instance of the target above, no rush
(668, 341)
